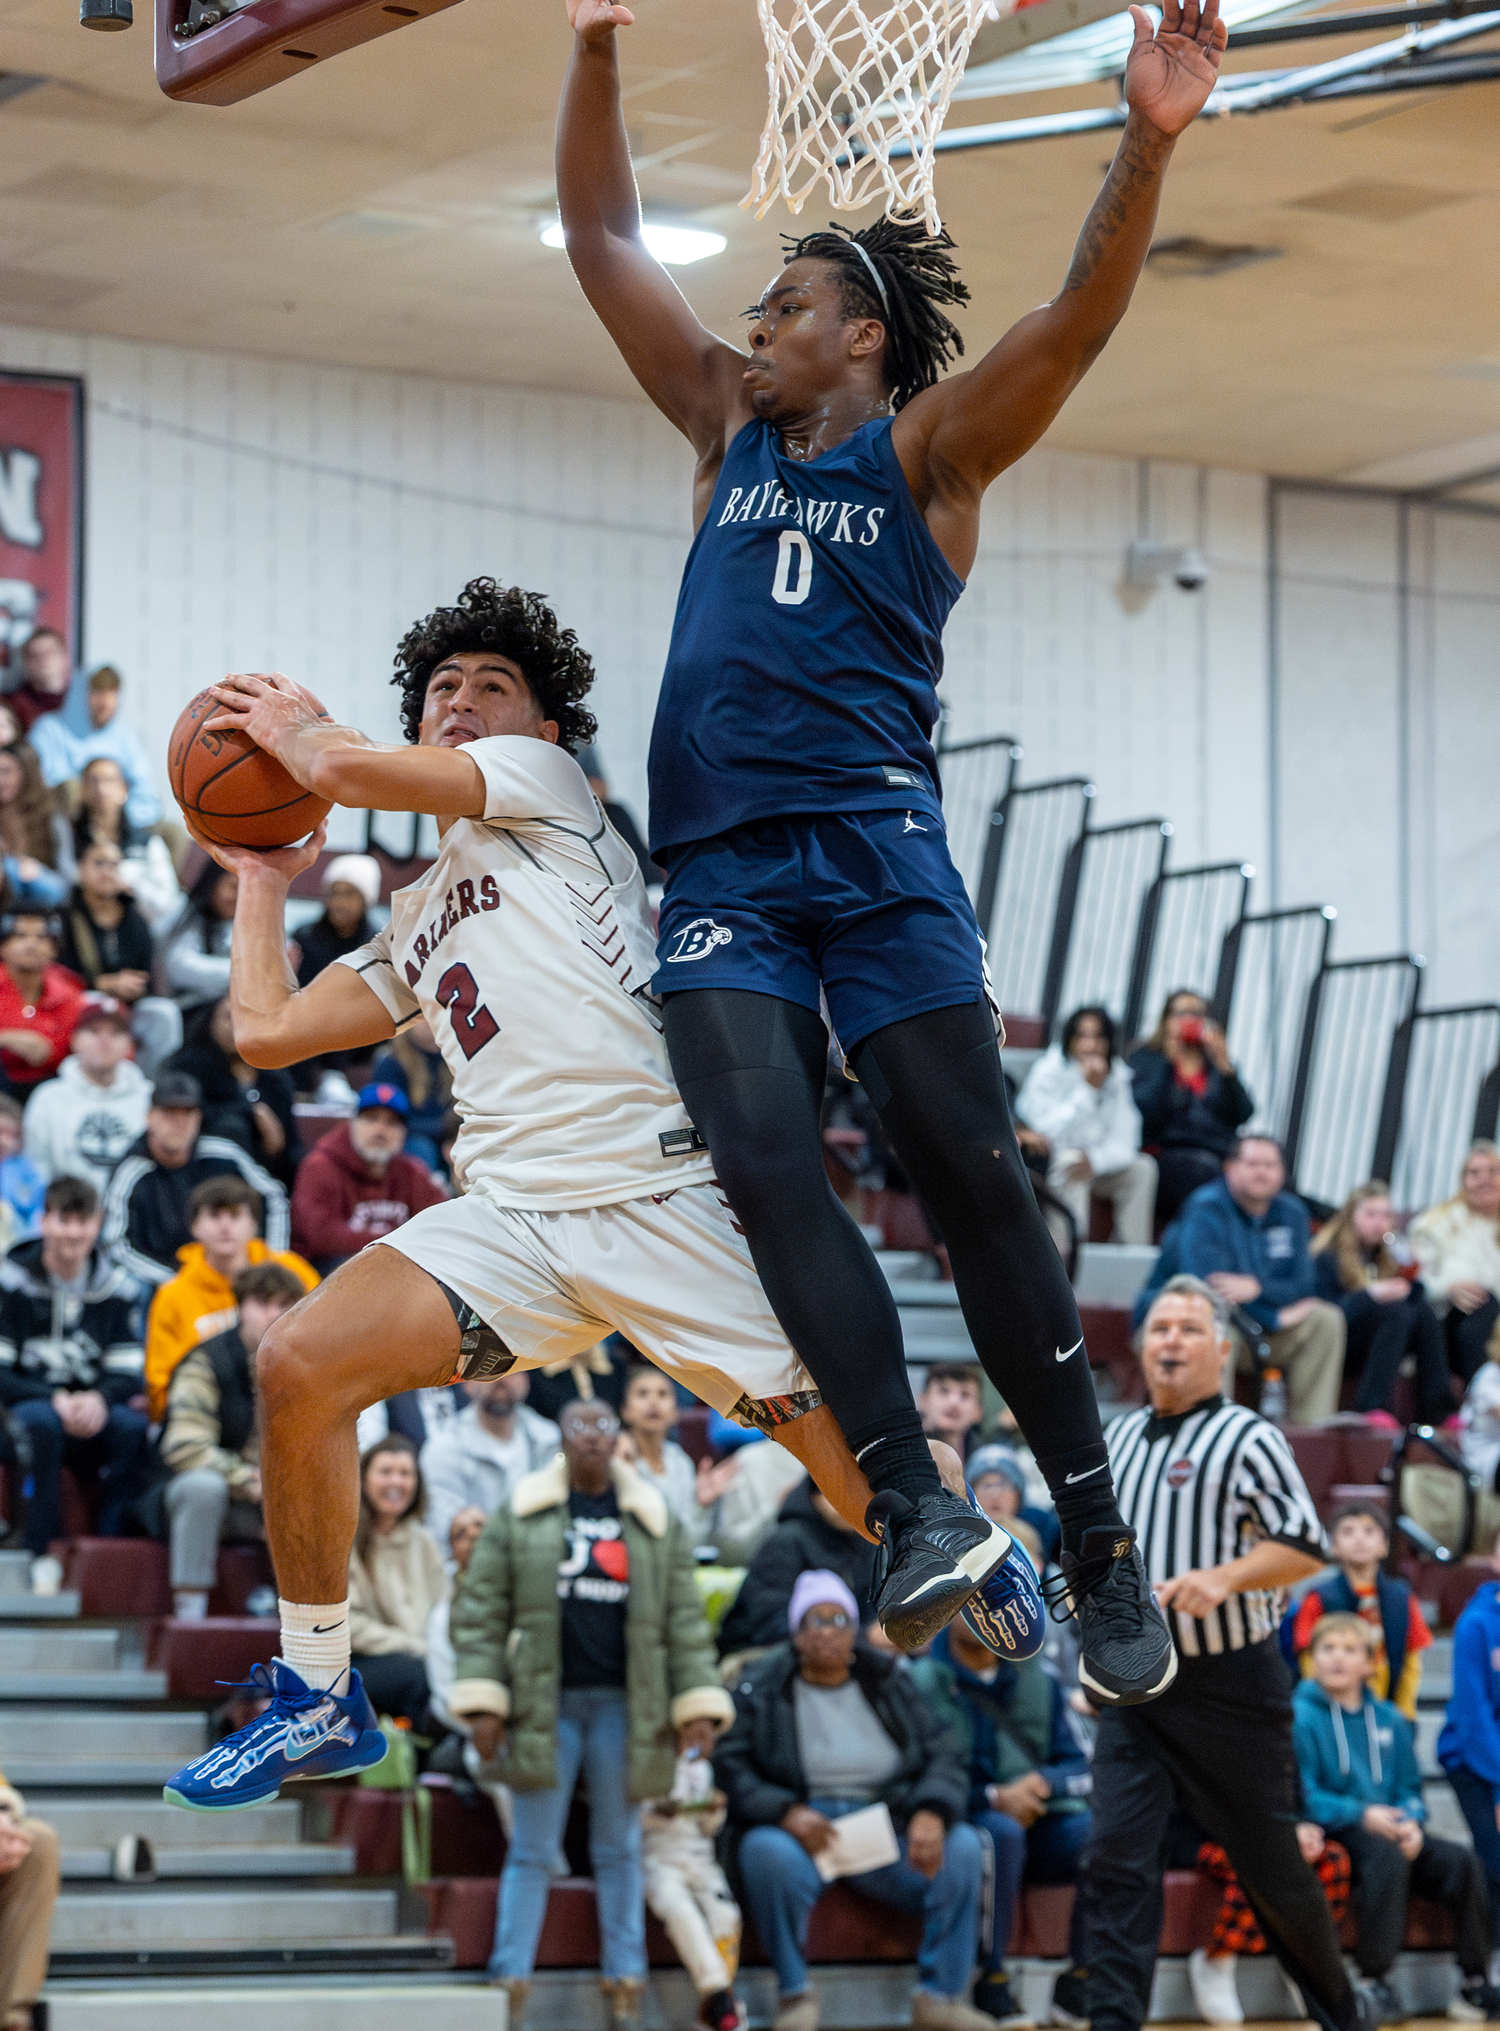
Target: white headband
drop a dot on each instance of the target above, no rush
(875, 278)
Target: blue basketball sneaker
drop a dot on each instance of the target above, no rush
(302, 1733)
(1007, 1613)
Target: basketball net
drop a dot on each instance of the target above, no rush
(848, 85)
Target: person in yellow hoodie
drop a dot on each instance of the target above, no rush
(222, 1215)
(28, 1892)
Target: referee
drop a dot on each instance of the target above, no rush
(1224, 1522)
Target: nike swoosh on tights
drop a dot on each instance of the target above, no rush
(1058, 1352)
(1069, 1479)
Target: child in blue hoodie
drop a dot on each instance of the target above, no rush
(1469, 1746)
(1361, 1784)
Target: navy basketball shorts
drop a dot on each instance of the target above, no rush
(866, 907)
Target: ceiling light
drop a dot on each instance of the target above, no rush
(675, 246)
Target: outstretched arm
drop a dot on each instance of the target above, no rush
(341, 764)
(976, 424)
(692, 377)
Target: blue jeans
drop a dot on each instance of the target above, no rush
(1048, 1851)
(117, 1454)
(593, 1735)
(1476, 1798)
(782, 1885)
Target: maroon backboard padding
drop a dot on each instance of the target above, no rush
(258, 47)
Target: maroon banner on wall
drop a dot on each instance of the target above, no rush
(41, 509)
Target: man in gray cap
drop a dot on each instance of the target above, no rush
(145, 1208)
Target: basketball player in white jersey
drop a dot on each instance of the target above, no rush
(588, 1197)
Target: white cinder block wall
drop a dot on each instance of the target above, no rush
(244, 513)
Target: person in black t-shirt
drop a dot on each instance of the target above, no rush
(105, 939)
(580, 1644)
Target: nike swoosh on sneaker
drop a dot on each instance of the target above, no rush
(1071, 1351)
(1069, 1479)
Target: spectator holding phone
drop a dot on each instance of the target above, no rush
(1079, 1096)
(1190, 1099)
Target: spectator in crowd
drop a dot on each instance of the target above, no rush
(418, 1414)
(39, 1001)
(1212, 1970)
(648, 1413)
(30, 1868)
(750, 1484)
(1386, 1315)
(70, 1361)
(109, 738)
(22, 1185)
(146, 1207)
(998, 1479)
(356, 1183)
(146, 871)
(685, 1887)
(810, 1536)
(479, 1458)
(823, 1727)
(1457, 1246)
(222, 1215)
(241, 1102)
(1469, 1746)
(579, 1639)
(463, 1534)
(1361, 1784)
(952, 1403)
(396, 1579)
(1246, 1236)
(1190, 1099)
(105, 939)
(46, 673)
(81, 1123)
(210, 1443)
(196, 958)
(351, 889)
(1216, 1743)
(1029, 1784)
(36, 838)
(1080, 1096)
(1396, 1626)
(415, 1064)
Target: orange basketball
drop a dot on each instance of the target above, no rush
(234, 792)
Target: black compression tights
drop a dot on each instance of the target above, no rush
(751, 1070)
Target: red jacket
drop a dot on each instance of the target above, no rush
(52, 1015)
(339, 1204)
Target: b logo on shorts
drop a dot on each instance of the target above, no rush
(697, 940)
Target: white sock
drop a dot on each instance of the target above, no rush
(315, 1642)
(189, 1606)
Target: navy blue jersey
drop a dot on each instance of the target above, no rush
(807, 645)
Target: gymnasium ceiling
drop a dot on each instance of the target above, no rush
(382, 211)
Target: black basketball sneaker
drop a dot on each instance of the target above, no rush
(1126, 1652)
(933, 1556)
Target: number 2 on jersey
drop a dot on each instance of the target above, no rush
(473, 1025)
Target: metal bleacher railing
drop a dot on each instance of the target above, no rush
(1341, 1095)
(977, 776)
(1110, 873)
(1038, 827)
(1188, 914)
(1268, 963)
(1442, 1093)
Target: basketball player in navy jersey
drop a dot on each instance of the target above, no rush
(794, 790)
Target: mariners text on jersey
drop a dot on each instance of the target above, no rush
(528, 948)
(1201, 1489)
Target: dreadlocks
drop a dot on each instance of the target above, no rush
(515, 624)
(918, 273)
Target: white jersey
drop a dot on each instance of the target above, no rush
(528, 948)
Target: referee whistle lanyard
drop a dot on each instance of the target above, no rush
(1372, 1736)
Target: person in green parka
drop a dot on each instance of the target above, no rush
(580, 1644)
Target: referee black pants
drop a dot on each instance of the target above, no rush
(1219, 1743)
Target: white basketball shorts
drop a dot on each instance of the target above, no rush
(671, 1272)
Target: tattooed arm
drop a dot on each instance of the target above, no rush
(954, 439)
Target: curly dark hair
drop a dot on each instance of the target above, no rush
(919, 273)
(518, 625)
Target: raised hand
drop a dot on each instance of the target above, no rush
(594, 19)
(266, 707)
(1171, 71)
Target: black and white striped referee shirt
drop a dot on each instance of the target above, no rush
(1202, 1488)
